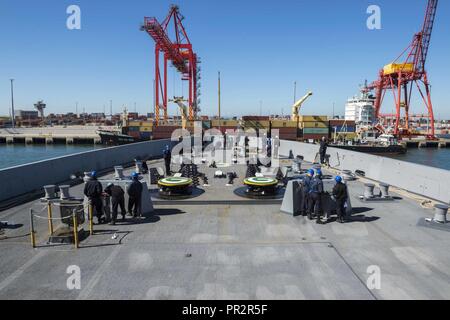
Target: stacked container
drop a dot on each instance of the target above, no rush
(343, 128)
(287, 129)
(164, 131)
(314, 127)
(225, 125)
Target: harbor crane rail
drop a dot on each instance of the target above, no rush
(404, 74)
(182, 56)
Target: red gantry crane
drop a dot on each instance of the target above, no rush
(402, 76)
(180, 53)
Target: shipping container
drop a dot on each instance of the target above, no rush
(286, 130)
(146, 129)
(283, 124)
(256, 124)
(313, 136)
(146, 135)
(290, 138)
(226, 123)
(342, 129)
(313, 118)
(336, 122)
(314, 124)
(206, 124)
(256, 118)
(316, 131)
(134, 134)
(224, 129)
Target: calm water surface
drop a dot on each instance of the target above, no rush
(13, 155)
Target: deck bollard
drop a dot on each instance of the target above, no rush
(32, 234)
(91, 218)
(75, 228)
(119, 173)
(384, 190)
(440, 213)
(368, 190)
(50, 218)
(65, 193)
(50, 191)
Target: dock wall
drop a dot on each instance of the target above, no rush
(27, 178)
(430, 182)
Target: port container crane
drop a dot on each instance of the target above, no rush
(405, 74)
(180, 53)
(296, 107)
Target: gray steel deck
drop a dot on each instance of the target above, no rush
(234, 251)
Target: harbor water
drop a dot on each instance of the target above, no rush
(431, 157)
(14, 155)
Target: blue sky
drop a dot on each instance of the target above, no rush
(260, 47)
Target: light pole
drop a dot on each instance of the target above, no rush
(219, 96)
(295, 92)
(12, 104)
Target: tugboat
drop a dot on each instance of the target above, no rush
(384, 144)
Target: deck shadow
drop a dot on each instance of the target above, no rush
(361, 218)
(168, 212)
(359, 210)
(12, 226)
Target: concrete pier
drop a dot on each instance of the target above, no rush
(49, 135)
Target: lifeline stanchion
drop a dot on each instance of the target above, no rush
(91, 218)
(33, 238)
(75, 228)
(50, 219)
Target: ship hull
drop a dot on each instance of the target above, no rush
(116, 139)
(377, 150)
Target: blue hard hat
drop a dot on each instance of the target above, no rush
(134, 175)
(319, 172)
(94, 174)
(338, 179)
(311, 172)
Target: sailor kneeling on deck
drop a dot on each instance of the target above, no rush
(117, 199)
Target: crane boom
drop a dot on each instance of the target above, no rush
(427, 29)
(296, 107)
(184, 110)
(179, 51)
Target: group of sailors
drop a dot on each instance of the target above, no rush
(93, 190)
(313, 195)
